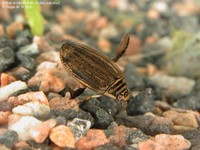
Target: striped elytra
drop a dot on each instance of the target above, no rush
(94, 70)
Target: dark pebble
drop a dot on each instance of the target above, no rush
(110, 105)
(21, 92)
(9, 139)
(70, 114)
(29, 50)
(60, 120)
(136, 136)
(25, 34)
(101, 117)
(189, 102)
(26, 61)
(22, 41)
(133, 78)
(107, 147)
(5, 42)
(7, 58)
(43, 146)
(21, 73)
(194, 137)
(110, 130)
(141, 104)
(127, 147)
(157, 129)
(134, 121)
(6, 106)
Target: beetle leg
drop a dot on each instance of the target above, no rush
(88, 98)
(76, 93)
(122, 47)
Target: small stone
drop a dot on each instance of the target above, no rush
(136, 136)
(2, 32)
(157, 129)
(104, 45)
(134, 121)
(7, 58)
(30, 128)
(62, 136)
(162, 120)
(6, 106)
(187, 119)
(6, 79)
(13, 28)
(79, 127)
(27, 61)
(107, 147)
(63, 103)
(194, 137)
(29, 50)
(52, 80)
(4, 117)
(141, 104)
(34, 108)
(134, 46)
(93, 139)
(22, 145)
(33, 96)
(169, 142)
(22, 41)
(119, 136)
(11, 89)
(173, 86)
(153, 14)
(39, 133)
(51, 56)
(134, 79)
(46, 65)
(149, 145)
(9, 139)
(20, 73)
(189, 102)
(102, 118)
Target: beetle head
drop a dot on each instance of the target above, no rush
(124, 95)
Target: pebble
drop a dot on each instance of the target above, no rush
(53, 80)
(71, 114)
(6, 79)
(9, 139)
(27, 61)
(165, 142)
(79, 127)
(173, 86)
(155, 129)
(104, 45)
(51, 56)
(62, 136)
(107, 147)
(29, 128)
(134, 137)
(6, 106)
(20, 73)
(4, 117)
(33, 108)
(162, 120)
(7, 58)
(134, 121)
(22, 145)
(134, 79)
(2, 32)
(12, 28)
(33, 96)
(119, 136)
(93, 139)
(187, 118)
(101, 117)
(170, 142)
(189, 102)
(63, 103)
(29, 50)
(141, 104)
(46, 65)
(11, 88)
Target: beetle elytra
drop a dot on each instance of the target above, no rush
(95, 70)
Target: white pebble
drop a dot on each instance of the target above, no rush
(33, 108)
(11, 88)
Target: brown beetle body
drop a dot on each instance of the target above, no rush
(93, 70)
